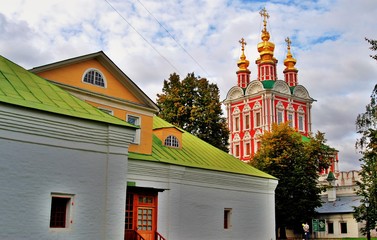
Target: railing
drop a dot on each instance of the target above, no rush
(133, 235)
(159, 236)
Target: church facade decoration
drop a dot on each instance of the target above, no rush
(252, 106)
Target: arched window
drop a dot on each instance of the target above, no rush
(94, 77)
(171, 141)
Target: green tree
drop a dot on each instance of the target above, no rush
(193, 104)
(296, 161)
(366, 125)
(373, 47)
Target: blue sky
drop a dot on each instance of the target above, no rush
(150, 39)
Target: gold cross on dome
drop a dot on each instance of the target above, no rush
(243, 43)
(265, 16)
(288, 41)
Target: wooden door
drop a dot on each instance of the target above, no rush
(141, 214)
(146, 225)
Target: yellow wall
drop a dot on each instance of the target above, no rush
(163, 133)
(73, 75)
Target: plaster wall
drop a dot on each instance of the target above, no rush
(44, 154)
(192, 206)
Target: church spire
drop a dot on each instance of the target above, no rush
(266, 62)
(290, 72)
(243, 72)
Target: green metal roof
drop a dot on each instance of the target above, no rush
(23, 88)
(195, 153)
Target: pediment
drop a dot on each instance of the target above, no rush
(234, 93)
(301, 92)
(254, 87)
(281, 87)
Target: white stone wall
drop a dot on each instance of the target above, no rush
(192, 206)
(43, 154)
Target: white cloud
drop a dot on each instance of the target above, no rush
(327, 41)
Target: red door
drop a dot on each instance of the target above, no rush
(146, 225)
(141, 214)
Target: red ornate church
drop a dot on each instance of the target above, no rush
(254, 105)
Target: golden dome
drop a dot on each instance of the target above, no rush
(266, 48)
(243, 63)
(289, 61)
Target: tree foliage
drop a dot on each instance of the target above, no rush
(193, 104)
(366, 125)
(373, 47)
(296, 162)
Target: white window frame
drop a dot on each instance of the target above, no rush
(256, 113)
(106, 110)
(235, 153)
(171, 141)
(245, 148)
(94, 83)
(257, 109)
(257, 140)
(246, 121)
(291, 116)
(136, 139)
(301, 120)
(280, 113)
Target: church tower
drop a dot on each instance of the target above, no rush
(254, 105)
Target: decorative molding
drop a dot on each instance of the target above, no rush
(234, 93)
(254, 87)
(301, 92)
(281, 87)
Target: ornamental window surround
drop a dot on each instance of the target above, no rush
(280, 113)
(291, 116)
(236, 119)
(257, 111)
(301, 120)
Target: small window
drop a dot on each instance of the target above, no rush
(343, 227)
(247, 149)
(301, 120)
(94, 77)
(227, 218)
(236, 124)
(108, 111)
(280, 117)
(330, 228)
(145, 199)
(237, 150)
(247, 121)
(257, 122)
(135, 120)
(60, 211)
(128, 224)
(171, 141)
(290, 119)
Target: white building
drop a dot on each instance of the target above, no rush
(338, 202)
(112, 182)
(63, 163)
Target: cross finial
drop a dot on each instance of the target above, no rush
(265, 16)
(243, 43)
(288, 41)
